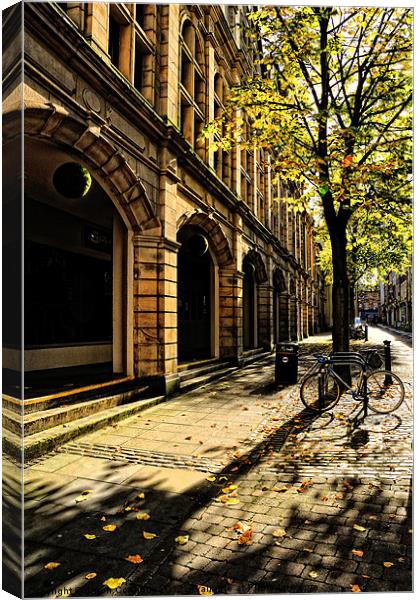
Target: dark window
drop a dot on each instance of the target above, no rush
(114, 35)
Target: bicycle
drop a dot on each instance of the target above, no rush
(378, 389)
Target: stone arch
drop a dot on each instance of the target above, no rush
(84, 140)
(255, 258)
(217, 238)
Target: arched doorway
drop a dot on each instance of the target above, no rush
(196, 283)
(76, 250)
(249, 305)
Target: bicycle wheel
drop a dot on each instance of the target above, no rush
(385, 391)
(310, 392)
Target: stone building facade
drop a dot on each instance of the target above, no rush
(396, 300)
(165, 252)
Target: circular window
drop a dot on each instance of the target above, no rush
(197, 245)
(72, 180)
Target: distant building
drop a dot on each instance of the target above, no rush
(396, 300)
(368, 301)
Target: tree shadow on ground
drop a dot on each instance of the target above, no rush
(314, 555)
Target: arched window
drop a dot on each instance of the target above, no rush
(192, 87)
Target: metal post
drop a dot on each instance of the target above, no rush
(366, 332)
(387, 361)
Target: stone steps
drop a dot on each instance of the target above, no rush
(35, 422)
(200, 380)
(252, 356)
(44, 441)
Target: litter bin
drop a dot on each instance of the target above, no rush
(286, 364)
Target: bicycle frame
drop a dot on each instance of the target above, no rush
(345, 359)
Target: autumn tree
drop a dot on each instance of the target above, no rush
(331, 101)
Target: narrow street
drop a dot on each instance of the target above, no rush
(243, 489)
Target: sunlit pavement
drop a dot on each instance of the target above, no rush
(245, 492)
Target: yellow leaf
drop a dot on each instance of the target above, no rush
(149, 536)
(232, 487)
(51, 565)
(358, 552)
(282, 489)
(388, 564)
(279, 532)
(359, 528)
(232, 501)
(182, 539)
(86, 492)
(143, 516)
(134, 558)
(313, 574)
(308, 549)
(103, 518)
(112, 583)
(109, 527)
(211, 478)
(80, 499)
(141, 496)
(205, 590)
(89, 536)
(90, 575)
(355, 588)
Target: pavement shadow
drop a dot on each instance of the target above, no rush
(316, 553)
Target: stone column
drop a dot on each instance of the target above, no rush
(155, 311)
(264, 316)
(230, 309)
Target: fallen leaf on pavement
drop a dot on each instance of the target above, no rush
(355, 588)
(51, 565)
(372, 518)
(231, 501)
(279, 532)
(143, 516)
(90, 575)
(401, 559)
(109, 527)
(281, 489)
(89, 536)
(313, 574)
(102, 518)
(388, 564)
(141, 496)
(134, 558)
(246, 537)
(182, 539)
(308, 549)
(358, 552)
(359, 528)
(112, 583)
(210, 478)
(149, 536)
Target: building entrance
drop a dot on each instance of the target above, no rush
(195, 268)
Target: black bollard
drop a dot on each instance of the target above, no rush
(387, 361)
(366, 332)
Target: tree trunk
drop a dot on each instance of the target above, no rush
(340, 289)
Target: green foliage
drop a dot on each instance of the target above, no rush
(331, 99)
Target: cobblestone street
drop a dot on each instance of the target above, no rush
(244, 489)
